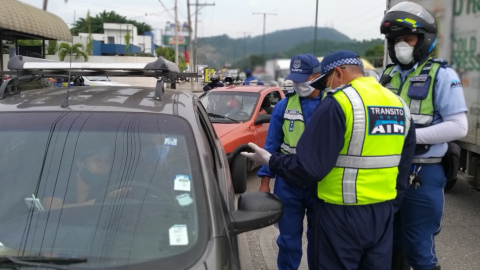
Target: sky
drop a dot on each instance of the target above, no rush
(358, 19)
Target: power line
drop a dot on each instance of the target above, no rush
(358, 24)
(168, 11)
(264, 22)
(350, 19)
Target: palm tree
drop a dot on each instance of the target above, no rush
(64, 49)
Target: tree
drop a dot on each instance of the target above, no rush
(29, 42)
(127, 43)
(166, 52)
(81, 25)
(77, 50)
(375, 55)
(90, 39)
(52, 47)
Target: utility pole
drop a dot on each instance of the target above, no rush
(315, 34)
(264, 21)
(45, 4)
(196, 30)
(176, 35)
(190, 57)
(245, 43)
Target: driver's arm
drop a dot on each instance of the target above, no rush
(52, 203)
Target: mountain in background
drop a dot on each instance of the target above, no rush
(218, 50)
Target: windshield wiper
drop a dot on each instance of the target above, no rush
(221, 116)
(40, 261)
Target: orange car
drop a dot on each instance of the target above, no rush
(241, 114)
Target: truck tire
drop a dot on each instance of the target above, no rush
(450, 183)
(238, 170)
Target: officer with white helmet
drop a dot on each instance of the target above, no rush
(434, 94)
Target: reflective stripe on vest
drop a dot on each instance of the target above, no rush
(377, 123)
(422, 110)
(293, 125)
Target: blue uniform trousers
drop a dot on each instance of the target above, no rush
(419, 218)
(356, 237)
(296, 200)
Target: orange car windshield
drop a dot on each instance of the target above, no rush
(238, 106)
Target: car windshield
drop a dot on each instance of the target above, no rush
(119, 189)
(234, 105)
(97, 78)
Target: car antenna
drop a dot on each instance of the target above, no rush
(65, 102)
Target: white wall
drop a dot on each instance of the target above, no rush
(134, 81)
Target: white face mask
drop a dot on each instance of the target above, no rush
(404, 52)
(303, 89)
(329, 88)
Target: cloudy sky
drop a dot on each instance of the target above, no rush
(359, 19)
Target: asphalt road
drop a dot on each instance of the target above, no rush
(458, 244)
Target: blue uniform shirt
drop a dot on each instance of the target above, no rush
(448, 100)
(320, 145)
(275, 132)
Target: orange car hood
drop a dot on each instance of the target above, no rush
(224, 129)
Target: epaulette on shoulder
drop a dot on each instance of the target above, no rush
(442, 62)
(290, 93)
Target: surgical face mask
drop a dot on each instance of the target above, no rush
(329, 88)
(303, 89)
(404, 52)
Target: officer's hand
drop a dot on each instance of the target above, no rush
(260, 155)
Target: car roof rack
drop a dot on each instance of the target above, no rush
(27, 69)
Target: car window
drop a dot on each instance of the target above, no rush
(119, 189)
(274, 97)
(208, 138)
(221, 106)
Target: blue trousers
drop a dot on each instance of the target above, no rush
(356, 237)
(419, 218)
(296, 201)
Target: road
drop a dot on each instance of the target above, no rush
(458, 245)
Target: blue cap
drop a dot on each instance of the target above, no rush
(302, 66)
(333, 60)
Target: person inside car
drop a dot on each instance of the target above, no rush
(91, 180)
(233, 106)
(214, 83)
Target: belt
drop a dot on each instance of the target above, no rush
(426, 160)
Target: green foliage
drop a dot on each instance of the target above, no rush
(90, 39)
(250, 62)
(375, 54)
(96, 24)
(29, 42)
(52, 47)
(144, 54)
(325, 47)
(76, 50)
(166, 52)
(127, 43)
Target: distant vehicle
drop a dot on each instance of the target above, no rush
(98, 81)
(266, 78)
(241, 114)
(279, 69)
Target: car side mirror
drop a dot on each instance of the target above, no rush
(262, 119)
(256, 210)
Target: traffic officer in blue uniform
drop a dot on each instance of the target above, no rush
(287, 124)
(357, 150)
(251, 79)
(434, 94)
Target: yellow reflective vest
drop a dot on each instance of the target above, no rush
(377, 123)
(293, 125)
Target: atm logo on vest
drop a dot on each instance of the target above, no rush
(386, 120)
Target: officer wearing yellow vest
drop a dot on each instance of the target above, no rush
(287, 124)
(434, 94)
(357, 149)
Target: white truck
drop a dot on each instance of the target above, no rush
(279, 70)
(459, 43)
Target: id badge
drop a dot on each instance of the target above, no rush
(419, 87)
